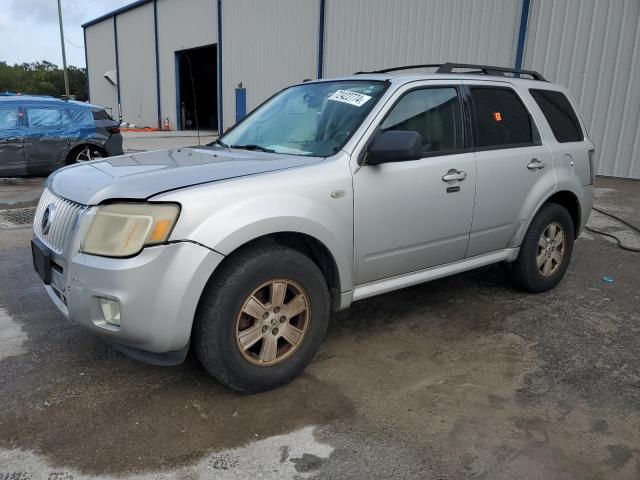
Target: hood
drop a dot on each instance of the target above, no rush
(142, 175)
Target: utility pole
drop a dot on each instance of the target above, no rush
(64, 54)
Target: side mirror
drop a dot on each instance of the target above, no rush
(394, 146)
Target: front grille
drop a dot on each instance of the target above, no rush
(61, 214)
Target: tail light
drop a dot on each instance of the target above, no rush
(113, 130)
(592, 166)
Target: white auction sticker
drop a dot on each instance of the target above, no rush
(352, 98)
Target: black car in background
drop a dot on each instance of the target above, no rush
(39, 134)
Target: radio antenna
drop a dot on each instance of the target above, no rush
(193, 90)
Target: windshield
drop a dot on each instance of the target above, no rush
(314, 119)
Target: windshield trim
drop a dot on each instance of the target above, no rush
(386, 84)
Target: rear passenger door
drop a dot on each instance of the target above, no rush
(515, 168)
(45, 143)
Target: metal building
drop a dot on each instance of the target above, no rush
(168, 59)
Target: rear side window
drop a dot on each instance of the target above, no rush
(42, 117)
(561, 117)
(434, 113)
(500, 119)
(77, 118)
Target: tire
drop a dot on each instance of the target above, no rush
(525, 271)
(84, 153)
(222, 313)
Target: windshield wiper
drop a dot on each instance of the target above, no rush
(217, 141)
(253, 147)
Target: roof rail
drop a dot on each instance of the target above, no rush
(449, 67)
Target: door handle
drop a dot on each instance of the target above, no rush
(13, 139)
(453, 175)
(536, 164)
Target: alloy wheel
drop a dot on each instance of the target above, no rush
(87, 154)
(272, 322)
(551, 249)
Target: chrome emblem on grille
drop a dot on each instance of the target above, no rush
(47, 218)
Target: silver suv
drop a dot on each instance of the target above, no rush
(332, 191)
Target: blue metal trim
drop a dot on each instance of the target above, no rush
(115, 40)
(106, 16)
(522, 35)
(86, 65)
(155, 33)
(241, 103)
(219, 65)
(321, 40)
(178, 109)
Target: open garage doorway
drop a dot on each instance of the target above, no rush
(197, 87)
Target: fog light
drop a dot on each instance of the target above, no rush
(110, 311)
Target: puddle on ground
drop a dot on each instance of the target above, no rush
(174, 421)
(276, 457)
(12, 336)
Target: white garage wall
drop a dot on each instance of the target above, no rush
(374, 34)
(266, 46)
(181, 25)
(593, 48)
(137, 62)
(101, 57)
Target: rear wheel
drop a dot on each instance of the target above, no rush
(84, 153)
(546, 250)
(262, 318)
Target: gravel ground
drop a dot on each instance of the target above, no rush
(460, 378)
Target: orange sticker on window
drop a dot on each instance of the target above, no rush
(497, 116)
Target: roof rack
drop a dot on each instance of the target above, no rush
(481, 69)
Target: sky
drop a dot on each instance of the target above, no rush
(29, 28)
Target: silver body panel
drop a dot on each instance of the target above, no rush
(386, 226)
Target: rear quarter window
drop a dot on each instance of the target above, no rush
(559, 114)
(101, 115)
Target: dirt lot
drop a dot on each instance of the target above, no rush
(461, 378)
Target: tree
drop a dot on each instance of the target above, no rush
(42, 78)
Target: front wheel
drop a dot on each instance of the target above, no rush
(261, 318)
(546, 250)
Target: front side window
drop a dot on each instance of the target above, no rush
(313, 119)
(561, 117)
(9, 118)
(435, 113)
(500, 119)
(42, 117)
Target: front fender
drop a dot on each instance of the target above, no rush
(237, 224)
(228, 214)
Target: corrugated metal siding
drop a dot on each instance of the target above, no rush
(102, 58)
(373, 34)
(593, 48)
(266, 46)
(136, 57)
(181, 25)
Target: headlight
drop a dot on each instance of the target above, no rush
(123, 229)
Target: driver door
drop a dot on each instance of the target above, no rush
(416, 214)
